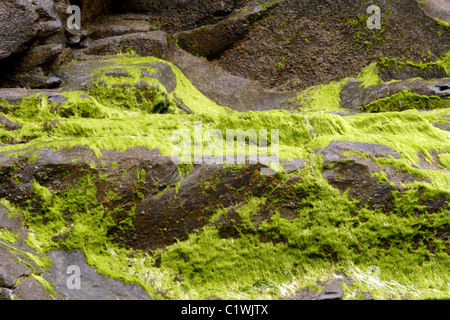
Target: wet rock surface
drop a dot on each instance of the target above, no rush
(248, 56)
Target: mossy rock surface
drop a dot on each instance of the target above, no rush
(356, 208)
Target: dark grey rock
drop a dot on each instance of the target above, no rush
(57, 99)
(293, 165)
(53, 82)
(39, 55)
(6, 294)
(10, 269)
(418, 86)
(9, 125)
(93, 286)
(351, 95)
(333, 152)
(442, 125)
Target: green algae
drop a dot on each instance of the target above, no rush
(328, 235)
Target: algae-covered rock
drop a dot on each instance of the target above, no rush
(229, 150)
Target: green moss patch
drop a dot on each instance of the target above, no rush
(270, 255)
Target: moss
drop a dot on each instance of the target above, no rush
(443, 24)
(443, 62)
(404, 100)
(382, 178)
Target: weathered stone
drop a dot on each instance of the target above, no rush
(17, 26)
(93, 286)
(211, 41)
(117, 73)
(39, 55)
(9, 125)
(152, 43)
(332, 291)
(437, 87)
(119, 25)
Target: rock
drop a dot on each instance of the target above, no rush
(436, 9)
(165, 75)
(17, 26)
(53, 82)
(302, 294)
(6, 294)
(30, 289)
(351, 96)
(333, 152)
(332, 291)
(437, 87)
(443, 126)
(93, 286)
(152, 43)
(32, 38)
(117, 73)
(9, 125)
(119, 25)
(391, 71)
(354, 173)
(293, 165)
(212, 40)
(226, 89)
(38, 56)
(56, 99)
(296, 33)
(182, 15)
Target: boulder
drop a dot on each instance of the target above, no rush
(152, 43)
(8, 124)
(212, 40)
(31, 41)
(17, 26)
(93, 286)
(355, 98)
(182, 15)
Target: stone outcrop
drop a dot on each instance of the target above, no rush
(86, 118)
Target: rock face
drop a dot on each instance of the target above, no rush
(297, 33)
(184, 15)
(89, 119)
(32, 42)
(18, 26)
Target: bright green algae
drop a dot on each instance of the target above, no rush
(328, 235)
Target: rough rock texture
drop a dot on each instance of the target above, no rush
(32, 42)
(86, 180)
(93, 286)
(18, 271)
(355, 97)
(297, 33)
